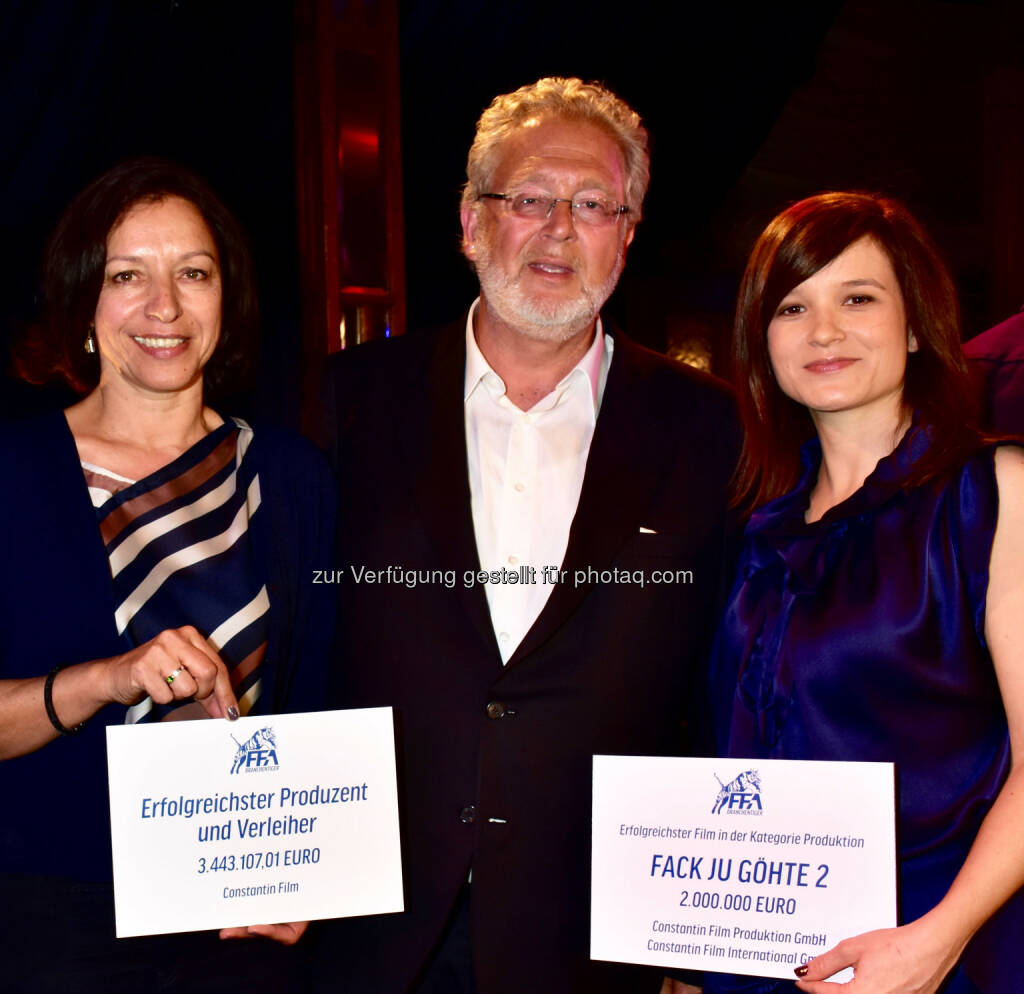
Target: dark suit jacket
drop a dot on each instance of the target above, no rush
(997, 355)
(495, 762)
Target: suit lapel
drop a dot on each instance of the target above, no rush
(433, 440)
(621, 469)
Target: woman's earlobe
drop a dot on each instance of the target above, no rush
(912, 345)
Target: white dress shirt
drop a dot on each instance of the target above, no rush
(525, 475)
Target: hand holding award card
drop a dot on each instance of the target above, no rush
(279, 818)
(738, 866)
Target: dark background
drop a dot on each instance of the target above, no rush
(748, 110)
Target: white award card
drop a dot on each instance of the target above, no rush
(738, 866)
(267, 819)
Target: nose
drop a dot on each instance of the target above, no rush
(560, 222)
(163, 304)
(825, 330)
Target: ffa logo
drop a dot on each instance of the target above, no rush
(257, 754)
(741, 796)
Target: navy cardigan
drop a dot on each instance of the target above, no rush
(57, 608)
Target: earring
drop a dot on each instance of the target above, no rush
(90, 341)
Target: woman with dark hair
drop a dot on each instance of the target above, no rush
(154, 566)
(73, 272)
(876, 614)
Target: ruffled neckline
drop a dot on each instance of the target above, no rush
(784, 516)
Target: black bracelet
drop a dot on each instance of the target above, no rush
(48, 701)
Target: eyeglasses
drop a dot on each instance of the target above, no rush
(596, 212)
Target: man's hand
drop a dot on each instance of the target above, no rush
(287, 933)
(678, 987)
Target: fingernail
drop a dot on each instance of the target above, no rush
(232, 713)
(801, 971)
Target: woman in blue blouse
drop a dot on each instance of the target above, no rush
(154, 564)
(877, 611)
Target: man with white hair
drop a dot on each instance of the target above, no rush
(551, 500)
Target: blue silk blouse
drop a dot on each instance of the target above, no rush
(860, 636)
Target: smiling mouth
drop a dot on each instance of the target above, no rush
(552, 268)
(158, 343)
(829, 365)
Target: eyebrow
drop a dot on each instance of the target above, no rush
(864, 281)
(138, 258)
(549, 179)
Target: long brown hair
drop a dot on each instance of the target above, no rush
(798, 243)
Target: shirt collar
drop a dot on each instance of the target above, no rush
(593, 365)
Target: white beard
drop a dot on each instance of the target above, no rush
(547, 321)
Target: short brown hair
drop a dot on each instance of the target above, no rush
(76, 255)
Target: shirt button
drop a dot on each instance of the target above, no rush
(503, 636)
(513, 560)
(495, 709)
(468, 814)
(520, 487)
